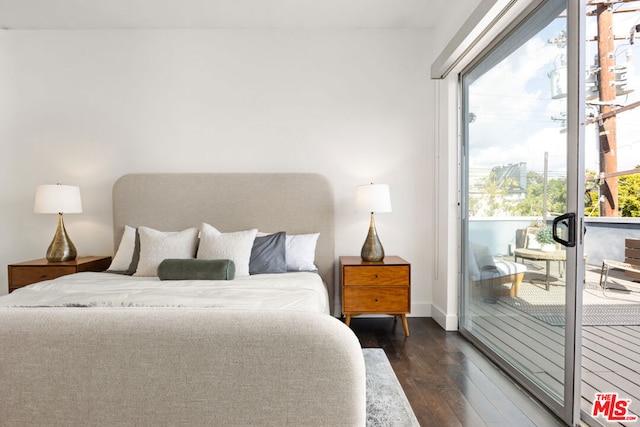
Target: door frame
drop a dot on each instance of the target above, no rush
(569, 412)
(576, 66)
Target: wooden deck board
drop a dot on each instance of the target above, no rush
(525, 351)
(541, 333)
(604, 362)
(624, 331)
(600, 353)
(519, 326)
(520, 323)
(611, 354)
(625, 337)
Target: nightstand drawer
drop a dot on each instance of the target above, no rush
(21, 276)
(379, 299)
(376, 275)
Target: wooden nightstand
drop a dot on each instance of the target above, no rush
(28, 272)
(376, 287)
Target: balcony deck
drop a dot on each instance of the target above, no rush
(529, 330)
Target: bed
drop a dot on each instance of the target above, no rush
(165, 345)
(204, 216)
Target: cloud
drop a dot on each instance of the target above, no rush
(513, 109)
(514, 113)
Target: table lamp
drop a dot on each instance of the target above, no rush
(372, 198)
(59, 199)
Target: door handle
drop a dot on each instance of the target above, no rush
(569, 220)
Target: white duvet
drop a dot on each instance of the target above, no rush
(286, 291)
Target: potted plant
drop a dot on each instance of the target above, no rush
(545, 238)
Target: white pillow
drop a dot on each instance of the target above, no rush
(483, 256)
(155, 246)
(532, 243)
(474, 271)
(235, 246)
(301, 252)
(481, 263)
(124, 254)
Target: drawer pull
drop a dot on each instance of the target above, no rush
(44, 276)
(376, 300)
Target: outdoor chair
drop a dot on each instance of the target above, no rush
(489, 275)
(631, 267)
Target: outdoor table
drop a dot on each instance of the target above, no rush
(559, 255)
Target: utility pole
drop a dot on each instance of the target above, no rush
(607, 125)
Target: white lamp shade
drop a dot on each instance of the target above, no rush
(57, 199)
(373, 198)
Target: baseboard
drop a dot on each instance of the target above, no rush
(420, 310)
(449, 322)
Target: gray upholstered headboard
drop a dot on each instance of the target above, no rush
(297, 203)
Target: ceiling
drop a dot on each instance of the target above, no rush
(152, 14)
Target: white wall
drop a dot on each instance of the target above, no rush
(445, 301)
(445, 278)
(85, 107)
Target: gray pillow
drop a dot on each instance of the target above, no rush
(196, 269)
(268, 254)
(135, 258)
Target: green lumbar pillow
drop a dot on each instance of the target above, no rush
(196, 269)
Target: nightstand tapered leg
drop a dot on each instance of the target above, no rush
(405, 325)
(347, 320)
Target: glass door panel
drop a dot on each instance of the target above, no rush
(516, 277)
(611, 316)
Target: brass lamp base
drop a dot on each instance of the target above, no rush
(61, 247)
(372, 249)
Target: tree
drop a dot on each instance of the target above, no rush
(629, 195)
(532, 204)
(591, 194)
(494, 198)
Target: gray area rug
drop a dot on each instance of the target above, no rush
(598, 310)
(387, 405)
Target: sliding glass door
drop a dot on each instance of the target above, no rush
(521, 203)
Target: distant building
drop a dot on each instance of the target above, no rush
(511, 182)
(513, 178)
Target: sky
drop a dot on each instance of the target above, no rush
(514, 112)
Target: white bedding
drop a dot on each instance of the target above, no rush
(286, 291)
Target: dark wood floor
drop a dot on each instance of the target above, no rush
(447, 381)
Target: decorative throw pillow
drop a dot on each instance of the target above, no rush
(268, 254)
(473, 268)
(483, 257)
(532, 242)
(234, 246)
(196, 269)
(156, 246)
(122, 259)
(301, 252)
